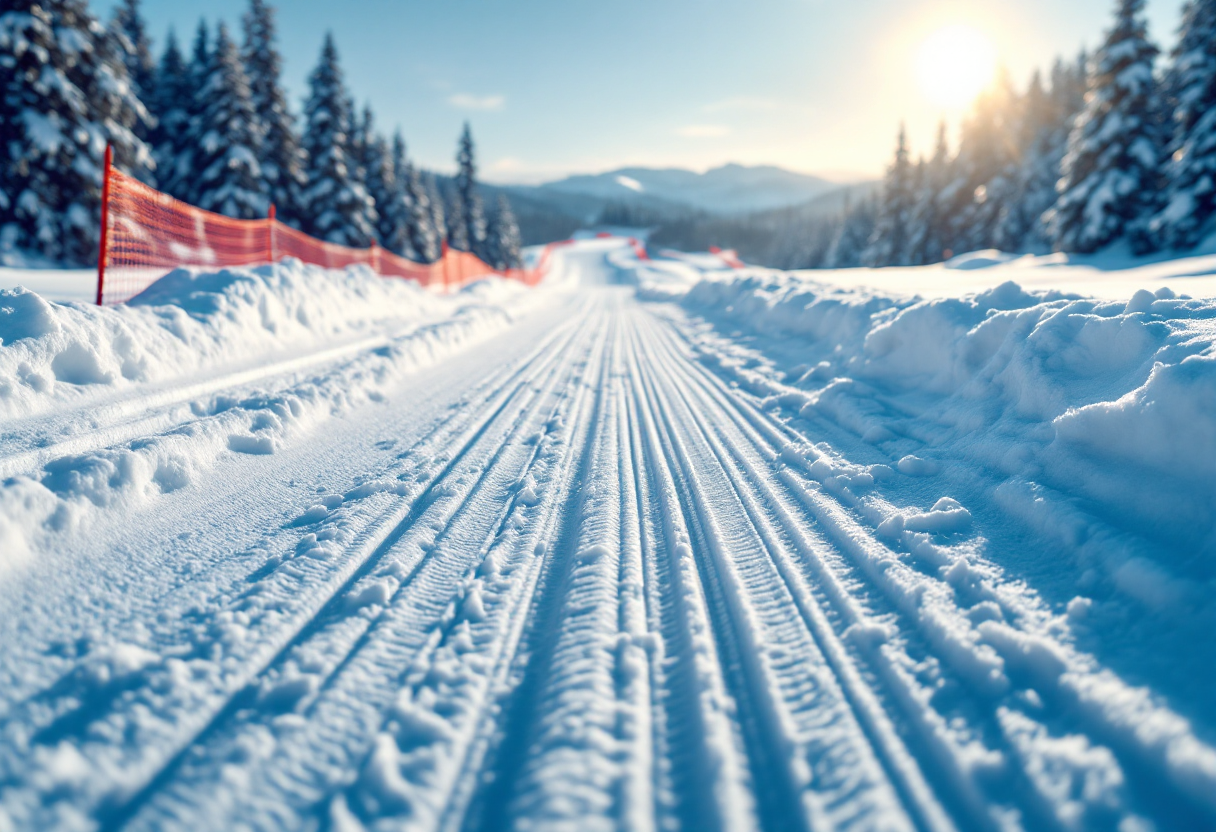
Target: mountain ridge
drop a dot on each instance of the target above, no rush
(732, 188)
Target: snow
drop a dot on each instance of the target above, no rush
(51, 283)
(655, 545)
(1110, 276)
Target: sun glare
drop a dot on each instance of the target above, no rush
(954, 64)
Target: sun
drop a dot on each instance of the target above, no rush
(954, 64)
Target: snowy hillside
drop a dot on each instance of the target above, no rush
(656, 545)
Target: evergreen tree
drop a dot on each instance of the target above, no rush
(171, 103)
(927, 235)
(439, 220)
(1110, 173)
(982, 171)
(281, 159)
(376, 171)
(502, 238)
(457, 221)
(854, 236)
(424, 237)
(387, 190)
(472, 210)
(361, 139)
(338, 207)
(892, 229)
(1190, 203)
(179, 174)
(1024, 226)
(227, 174)
(1034, 176)
(64, 94)
(137, 48)
(395, 208)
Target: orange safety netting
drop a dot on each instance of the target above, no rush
(146, 234)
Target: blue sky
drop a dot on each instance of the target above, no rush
(553, 87)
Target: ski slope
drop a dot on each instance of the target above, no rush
(654, 546)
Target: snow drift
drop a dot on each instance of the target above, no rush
(239, 360)
(1113, 403)
(193, 321)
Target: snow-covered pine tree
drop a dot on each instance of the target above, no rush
(281, 158)
(457, 221)
(137, 48)
(439, 220)
(423, 237)
(888, 244)
(854, 236)
(1189, 214)
(927, 235)
(228, 178)
(337, 206)
(502, 237)
(472, 215)
(1110, 173)
(375, 165)
(1040, 168)
(1033, 179)
(982, 170)
(179, 173)
(65, 94)
(170, 102)
(26, 41)
(384, 166)
(361, 138)
(1069, 85)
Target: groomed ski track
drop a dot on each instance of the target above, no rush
(570, 577)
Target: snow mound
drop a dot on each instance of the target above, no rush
(1110, 402)
(192, 322)
(239, 361)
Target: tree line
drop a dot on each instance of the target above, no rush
(211, 127)
(1106, 150)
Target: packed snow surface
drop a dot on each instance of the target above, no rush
(656, 545)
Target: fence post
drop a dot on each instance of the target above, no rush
(270, 221)
(375, 256)
(103, 250)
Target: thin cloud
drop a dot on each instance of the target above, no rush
(702, 131)
(485, 103)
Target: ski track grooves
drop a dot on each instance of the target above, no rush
(767, 514)
(431, 561)
(611, 592)
(170, 733)
(417, 542)
(804, 728)
(942, 631)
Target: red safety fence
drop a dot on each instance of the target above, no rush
(145, 234)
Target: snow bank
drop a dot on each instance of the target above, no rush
(192, 322)
(108, 407)
(52, 283)
(1111, 275)
(1108, 402)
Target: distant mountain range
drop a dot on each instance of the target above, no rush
(730, 189)
(658, 197)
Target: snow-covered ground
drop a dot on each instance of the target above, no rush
(653, 546)
(53, 284)
(1109, 276)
